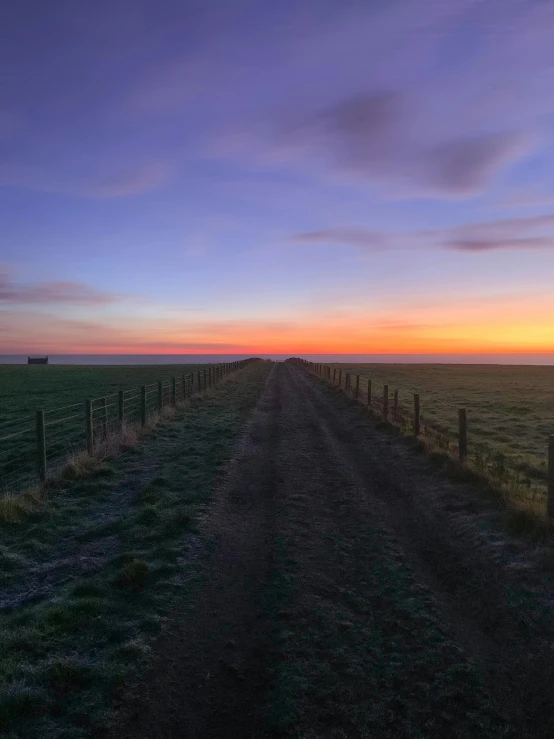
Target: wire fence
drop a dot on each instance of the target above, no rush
(35, 449)
(537, 491)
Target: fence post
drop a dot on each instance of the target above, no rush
(104, 417)
(199, 383)
(462, 434)
(335, 376)
(121, 407)
(41, 447)
(369, 392)
(143, 405)
(205, 380)
(174, 391)
(395, 405)
(357, 385)
(88, 426)
(160, 396)
(550, 503)
(184, 387)
(386, 402)
(416, 414)
(340, 378)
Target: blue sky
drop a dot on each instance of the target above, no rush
(289, 177)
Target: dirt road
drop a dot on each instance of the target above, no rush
(351, 593)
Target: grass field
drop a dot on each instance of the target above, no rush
(509, 409)
(60, 391)
(27, 388)
(89, 576)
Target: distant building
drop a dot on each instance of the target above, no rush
(37, 360)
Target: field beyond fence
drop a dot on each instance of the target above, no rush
(498, 421)
(37, 445)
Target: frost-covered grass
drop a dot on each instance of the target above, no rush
(90, 572)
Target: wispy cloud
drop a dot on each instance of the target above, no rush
(353, 236)
(134, 181)
(117, 183)
(47, 293)
(535, 232)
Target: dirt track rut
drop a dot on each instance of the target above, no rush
(351, 593)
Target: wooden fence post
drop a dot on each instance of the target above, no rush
(104, 417)
(205, 385)
(550, 503)
(41, 447)
(386, 402)
(416, 415)
(357, 385)
(199, 383)
(174, 391)
(160, 396)
(184, 387)
(89, 433)
(462, 434)
(335, 376)
(121, 407)
(143, 405)
(369, 392)
(340, 378)
(395, 405)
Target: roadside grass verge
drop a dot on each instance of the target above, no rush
(510, 408)
(82, 463)
(87, 579)
(523, 517)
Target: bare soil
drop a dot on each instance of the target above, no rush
(351, 592)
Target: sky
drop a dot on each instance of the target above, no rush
(293, 177)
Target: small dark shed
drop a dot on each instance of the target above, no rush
(37, 360)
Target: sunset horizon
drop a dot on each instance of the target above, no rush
(301, 178)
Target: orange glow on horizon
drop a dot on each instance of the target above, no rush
(506, 327)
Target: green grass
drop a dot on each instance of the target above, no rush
(92, 573)
(25, 389)
(510, 410)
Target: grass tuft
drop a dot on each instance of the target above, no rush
(19, 701)
(526, 523)
(13, 509)
(81, 465)
(67, 675)
(133, 575)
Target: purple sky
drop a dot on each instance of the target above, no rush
(283, 176)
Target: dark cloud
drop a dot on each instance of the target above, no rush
(477, 245)
(465, 166)
(377, 135)
(535, 232)
(74, 293)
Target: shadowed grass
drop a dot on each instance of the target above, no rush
(90, 577)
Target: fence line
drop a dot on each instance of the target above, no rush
(412, 421)
(34, 449)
